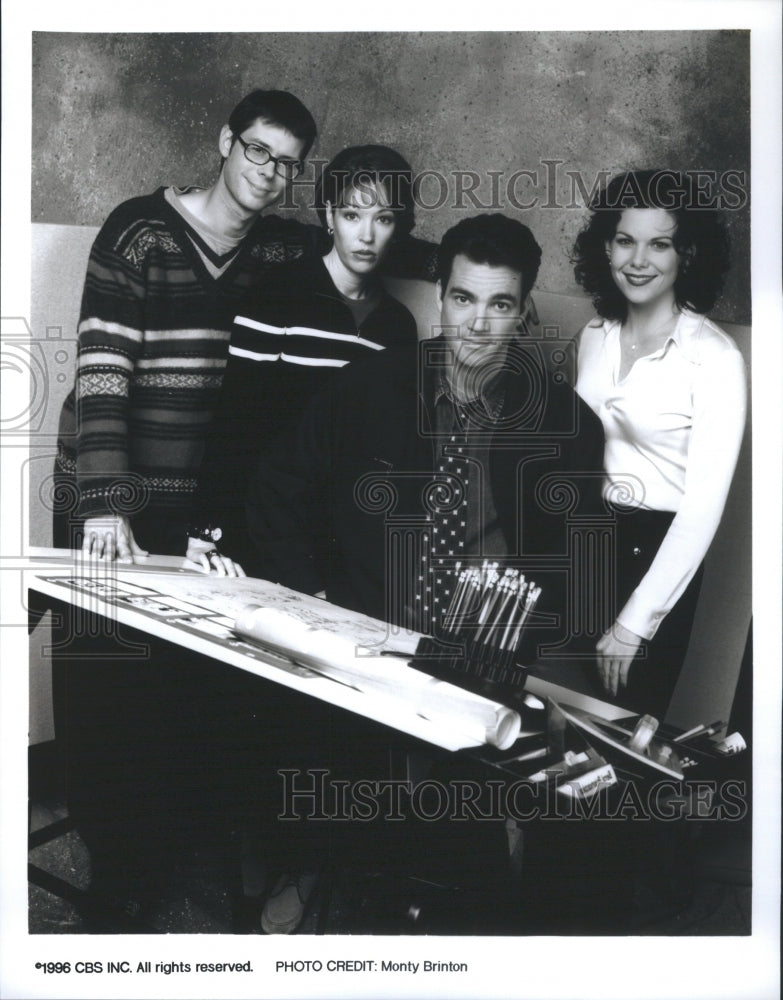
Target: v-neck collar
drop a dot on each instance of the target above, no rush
(190, 241)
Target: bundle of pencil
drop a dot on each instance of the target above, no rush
(486, 616)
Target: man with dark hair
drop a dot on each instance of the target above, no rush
(414, 463)
(166, 277)
(167, 274)
(476, 413)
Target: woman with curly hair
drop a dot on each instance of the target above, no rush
(669, 387)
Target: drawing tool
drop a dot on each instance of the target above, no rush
(700, 730)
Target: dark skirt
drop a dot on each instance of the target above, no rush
(658, 663)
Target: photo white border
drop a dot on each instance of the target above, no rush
(502, 967)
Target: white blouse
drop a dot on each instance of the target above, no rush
(673, 430)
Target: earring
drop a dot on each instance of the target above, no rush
(330, 230)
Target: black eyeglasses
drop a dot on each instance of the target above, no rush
(284, 166)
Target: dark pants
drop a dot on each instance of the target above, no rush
(135, 723)
(166, 751)
(657, 666)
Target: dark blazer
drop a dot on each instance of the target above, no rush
(332, 510)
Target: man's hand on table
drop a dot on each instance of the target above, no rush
(110, 537)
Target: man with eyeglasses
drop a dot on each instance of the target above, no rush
(166, 276)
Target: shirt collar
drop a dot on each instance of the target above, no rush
(684, 335)
(491, 398)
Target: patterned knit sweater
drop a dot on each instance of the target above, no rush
(153, 336)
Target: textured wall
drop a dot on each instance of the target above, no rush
(118, 115)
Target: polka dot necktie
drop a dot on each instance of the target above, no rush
(449, 525)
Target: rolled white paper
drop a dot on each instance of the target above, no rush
(484, 720)
(480, 719)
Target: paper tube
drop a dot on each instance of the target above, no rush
(480, 719)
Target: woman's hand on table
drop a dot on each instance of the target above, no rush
(615, 651)
(209, 560)
(110, 537)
